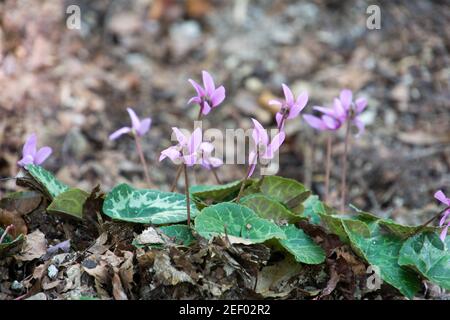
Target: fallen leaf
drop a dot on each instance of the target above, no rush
(35, 246)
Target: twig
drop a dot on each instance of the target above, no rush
(344, 167)
(143, 162)
(186, 191)
(175, 182)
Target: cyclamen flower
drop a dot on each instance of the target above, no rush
(187, 149)
(263, 149)
(206, 159)
(209, 96)
(30, 154)
(289, 108)
(344, 109)
(442, 198)
(138, 127)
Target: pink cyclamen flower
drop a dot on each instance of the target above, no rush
(187, 149)
(206, 159)
(442, 198)
(30, 154)
(138, 127)
(289, 108)
(263, 149)
(343, 109)
(209, 96)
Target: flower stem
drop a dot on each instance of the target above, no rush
(141, 156)
(328, 168)
(175, 182)
(8, 228)
(186, 191)
(344, 167)
(214, 172)
(423, 226)
(244, 181)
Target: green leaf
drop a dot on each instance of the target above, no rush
(69, 203)
(52, 186)
(269, 209)
(146, 206)
(382, 250)
(401, 230)
(281, 189)
(180, 233)
(427, 254)
(218, 193)
(299, 244)
(235, 220)
(313, 207)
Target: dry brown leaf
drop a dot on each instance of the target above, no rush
(35, 246)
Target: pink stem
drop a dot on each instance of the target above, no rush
(344, 167)
(8, 228)
(188, 198)
(141, 156)
(328, 168)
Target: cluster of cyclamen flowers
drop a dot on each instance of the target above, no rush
(191, 149)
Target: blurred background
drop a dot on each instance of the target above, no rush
(72, 88)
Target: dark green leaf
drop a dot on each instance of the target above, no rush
(146, 206)
(301, 246)
(46, 181)
(69, 203)
(237, 221)
(180, 233)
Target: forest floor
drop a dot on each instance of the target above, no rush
(72, 87)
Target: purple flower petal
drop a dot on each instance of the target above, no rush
(259, 134)
(182, 140)
(339, 110)
(207, 147)
(208, 83)
(252, 169)
(173, 153)
(279, 118)
(206, 108)
(330, 122)
(118, 133)
(442, 198)
(29, 148)
(327, 111)
(444, 217)
(277, 141)
(42, 155)
(195, 140)
(315, 122)
(144, 126)
(275, 103)
(300, 104)
(215, 162)
(346, 98)
(198, 88)
(361, 104)
(28, 159)
(135, 123)
(195, 99)
(288, 95)
(360, 125)
(218, 96)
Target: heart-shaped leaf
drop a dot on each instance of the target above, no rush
(382, 250)
(146, 206)
(69, 203)
(44, 181)
(180, 233)
(218, 193)
(301, 246)
(427, 254)
(313, 207)
(236, 220)
(269, 209)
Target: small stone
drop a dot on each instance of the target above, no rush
(16, 286)
(52, 271)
